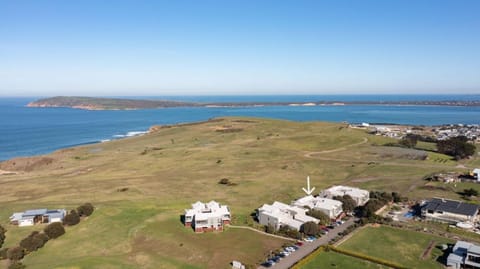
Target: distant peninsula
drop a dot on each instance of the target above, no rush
(98, 103)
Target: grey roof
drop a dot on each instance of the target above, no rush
(474, 249)
(452, 206)
(35, 212)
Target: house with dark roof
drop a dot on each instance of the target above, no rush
(450, 211)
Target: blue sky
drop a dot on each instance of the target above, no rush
(239, 47)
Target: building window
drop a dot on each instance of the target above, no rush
(475, 259)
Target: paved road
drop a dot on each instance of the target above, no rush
(308, 248)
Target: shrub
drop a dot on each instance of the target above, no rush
(85, 209)
(71, 218)
(34, 241)
(54, 230)
(458, 147)
(324, 219)
(17, 265)
(224, 181)
(2, 235)
(16, 253)
(310, 228)
(3, 253)
(348, 204)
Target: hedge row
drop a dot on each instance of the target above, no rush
(2, 235)
(366, 257)
(300, 264)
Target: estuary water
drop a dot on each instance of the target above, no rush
(31, 131)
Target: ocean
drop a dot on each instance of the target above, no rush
(32, 131)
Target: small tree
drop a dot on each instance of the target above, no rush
(470, 192)
(17, 265)
(3, 253)
(269, 229)
(85, 209)
(409, 141)
(348, 204)
(71, 218)
(310, 228)
(458, 147)
(2, 235)
(15, 254)
(54, 230)
(324, 219)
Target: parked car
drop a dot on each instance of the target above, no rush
(276, 259)
(267, 264)
(299, 243)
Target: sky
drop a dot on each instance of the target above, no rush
(202, 47)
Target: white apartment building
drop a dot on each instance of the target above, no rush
(207, 217)
(360, 196)
(279, 214)
(330, 207)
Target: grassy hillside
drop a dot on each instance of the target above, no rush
(141, 185)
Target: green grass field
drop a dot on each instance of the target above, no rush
(166, 171)
(336, 260)
(402, 247)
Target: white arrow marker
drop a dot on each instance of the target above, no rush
(308, 191)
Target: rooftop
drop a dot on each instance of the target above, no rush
(452, 206)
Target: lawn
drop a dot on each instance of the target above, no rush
(402, 247)
(141, 185)
(336, 260)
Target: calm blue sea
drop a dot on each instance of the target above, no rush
(32, 131)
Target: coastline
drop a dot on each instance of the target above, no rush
(94, 103)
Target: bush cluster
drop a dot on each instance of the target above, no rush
(54, 230)
(85, 210)
(34, 241)
(2, 235)
(15, 253)
(457, 147)
(71, 218)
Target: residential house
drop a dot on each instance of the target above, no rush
(207, 217)
(450, 211)
(476, 173)
(35, 216)
(279, 214)
(330, 207)
(360, 196)
(464, 255)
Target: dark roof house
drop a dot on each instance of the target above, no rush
(450, 211)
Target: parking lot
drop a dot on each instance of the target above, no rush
(308, 247)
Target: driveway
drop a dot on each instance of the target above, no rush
(308, 248)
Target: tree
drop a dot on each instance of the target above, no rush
(470, 192)
(310, 228)
(324, 219)
(85, 209)
(2, 235)
(17, 265)
(409, 141)
(287, 231)
(3, 253)
(15, 254)
(457, 147)
(54, 230)
(269, 229)
(71, 218)
(348, 204)
(34, 241)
